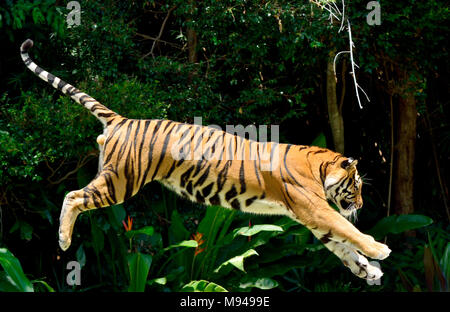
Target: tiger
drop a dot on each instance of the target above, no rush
(267, 178)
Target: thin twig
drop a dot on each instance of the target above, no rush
(160, 33)
(159, 40)
(334, 61)
(353, 64)
(343, 17)
(325, 8)
(344, 69)
(80, 164)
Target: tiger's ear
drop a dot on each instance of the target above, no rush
(349, 163)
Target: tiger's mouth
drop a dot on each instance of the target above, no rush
(348, 210)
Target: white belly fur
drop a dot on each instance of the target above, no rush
(259, 206)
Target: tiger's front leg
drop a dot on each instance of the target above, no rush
(357, 263)
(100, 192)
(328, 225)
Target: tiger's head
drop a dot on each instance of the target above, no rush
(343, 187)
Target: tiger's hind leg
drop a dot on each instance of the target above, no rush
(98, 193)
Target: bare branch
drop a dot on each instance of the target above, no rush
(147, 37)
(325, 8)
(335, 58)
(160, 33)
(353, 64)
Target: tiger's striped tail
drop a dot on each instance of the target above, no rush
(103, 113)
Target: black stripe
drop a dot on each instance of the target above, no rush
(50, 78)
(110, 186)
(207, 189)
(250, 200)
(231, 193)
(203, 178)
(236, 204)
(185, 176)
(163, 152)
(169, 122)
(189, 188)
(61, 84)
(112, 135)
(199, 197)
(38, 70)
(153, 140)
(242, 178)
(172, 168)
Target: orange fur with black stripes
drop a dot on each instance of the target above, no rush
(212, 167)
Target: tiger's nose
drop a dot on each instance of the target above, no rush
(359, 204)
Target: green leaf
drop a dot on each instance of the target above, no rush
(255, 229)
(81, 256)
(177, 230)
(147, 230)
(238, 261)
(46, 285)
(186, 243)
(5, 284)
(116, 214)
(139, 266)
(98, 239)
(14, 271)
(259, 282)
(398, 224)
(445, 263)
(159, 281)
(202, 286)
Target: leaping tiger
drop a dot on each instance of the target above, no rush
(230, 172)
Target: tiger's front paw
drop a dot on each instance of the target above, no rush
(380, 251)
(375, 250)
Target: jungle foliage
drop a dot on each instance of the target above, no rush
(229, 62)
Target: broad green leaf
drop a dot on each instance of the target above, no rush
(116, 214)
(46, 285)
(259, 282)
(147, 230)
(398, 224)
(177, 230)
(255, 229)
(186, 243)
(159, 281)
(202, 286)
(98, 239)
(14, 271)
(81, 256)
(139, 266)
(238, 261)
(445, 263)
(5, 283)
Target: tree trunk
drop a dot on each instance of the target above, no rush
(405, 149)
(334, 114)
(192, 45)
